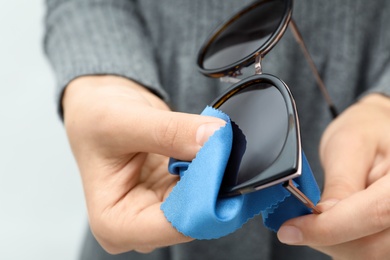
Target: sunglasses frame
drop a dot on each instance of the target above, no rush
(292, 166)
(234, 68)
(229, 73)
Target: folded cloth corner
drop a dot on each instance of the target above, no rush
(194, 207)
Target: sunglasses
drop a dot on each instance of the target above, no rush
(261, 106)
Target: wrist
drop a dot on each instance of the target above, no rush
(85, 84)
(97, 88)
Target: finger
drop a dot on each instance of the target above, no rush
(347, 157)
(124, 217)
(150, 222)
(372, 247)
(360, 215)
(116, 117)
(173, 134)
(379, 169)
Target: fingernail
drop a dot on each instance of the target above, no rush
(290, 235)
(205, 131)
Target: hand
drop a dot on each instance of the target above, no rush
(355, 153)
(121, 136)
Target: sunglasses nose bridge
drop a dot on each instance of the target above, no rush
(228, 79)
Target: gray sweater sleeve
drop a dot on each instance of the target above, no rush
(97, 37)
(382, 84)
(378, 63)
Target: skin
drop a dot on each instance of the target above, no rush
(122, 135)
(355, 153)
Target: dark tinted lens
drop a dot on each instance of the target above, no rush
(245, 35)
(261, 113)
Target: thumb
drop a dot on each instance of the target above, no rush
(172, 134)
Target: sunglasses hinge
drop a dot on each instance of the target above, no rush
(258, 68)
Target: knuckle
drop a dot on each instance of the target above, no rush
(109, 233)
(103, 232)
(167, 133)
(340, 187)
(381, 219)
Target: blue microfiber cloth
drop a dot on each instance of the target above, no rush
(194, 208)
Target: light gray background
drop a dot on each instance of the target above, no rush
(42, 210)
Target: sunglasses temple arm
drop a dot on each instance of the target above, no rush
(289, 185)
(320, 82)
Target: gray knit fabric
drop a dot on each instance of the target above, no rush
(156, 43)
